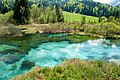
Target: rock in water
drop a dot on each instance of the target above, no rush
(12, 51)
(27, 64)
(11, 58)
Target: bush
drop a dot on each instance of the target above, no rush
(10, 30)
(104, 29)
(76, 69)
(6, 18)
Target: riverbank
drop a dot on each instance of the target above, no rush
(110, 32)
(75, 69)
(101, 30)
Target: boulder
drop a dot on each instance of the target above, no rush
(1, 54)
(11, 58)
(27, 64)
(12, 51)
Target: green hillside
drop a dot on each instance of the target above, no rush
(74, 17)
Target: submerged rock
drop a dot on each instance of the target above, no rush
(1, 54)
(27, 64)
(11, 58)
(112, 57)
(12, 51)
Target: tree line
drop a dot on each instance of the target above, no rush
(24, 13)
(86, 7)
(89, 7)
(45, 11)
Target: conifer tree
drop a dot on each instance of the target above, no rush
(60, 17)
(21, 12)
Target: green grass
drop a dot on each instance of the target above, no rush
(74, 17)
(75, 69)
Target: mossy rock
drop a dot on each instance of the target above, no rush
(27, 64)
(11, 58)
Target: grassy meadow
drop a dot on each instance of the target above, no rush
(74, 17)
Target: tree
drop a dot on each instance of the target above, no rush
(60, 17)
(4, 7)
(21, 12)
(103, 19)
(35, 13)
(99, 20)
(53, 17)
(111, 19)
(83, 20)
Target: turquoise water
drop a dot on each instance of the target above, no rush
(51, 54)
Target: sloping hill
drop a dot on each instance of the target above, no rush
(71, 17)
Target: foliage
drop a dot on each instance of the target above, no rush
(86, 7)
(6, 18)
(6, 5)
(108, 27)
(6, 28)
(83, 20)
(113, 20)
(105, 29)
(46, 14)
(89, 7)
(35, 13)
(75, 69)
(10, 31)
(21, 12)
(60, 17)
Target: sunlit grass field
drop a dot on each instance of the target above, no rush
(74, 17)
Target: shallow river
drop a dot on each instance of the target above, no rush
(51, 54)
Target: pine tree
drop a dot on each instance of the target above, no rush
(99, 20)
(4, 7)
(60, 17)
(21, 12)
(83, 21)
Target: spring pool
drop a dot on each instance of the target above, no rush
(51, 54)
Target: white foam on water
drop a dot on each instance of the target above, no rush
(114, 46)
(93, 43)
(117, 61)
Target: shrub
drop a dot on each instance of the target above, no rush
(79, 70)
(10, 30)
(6, 18)
(105, 29)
